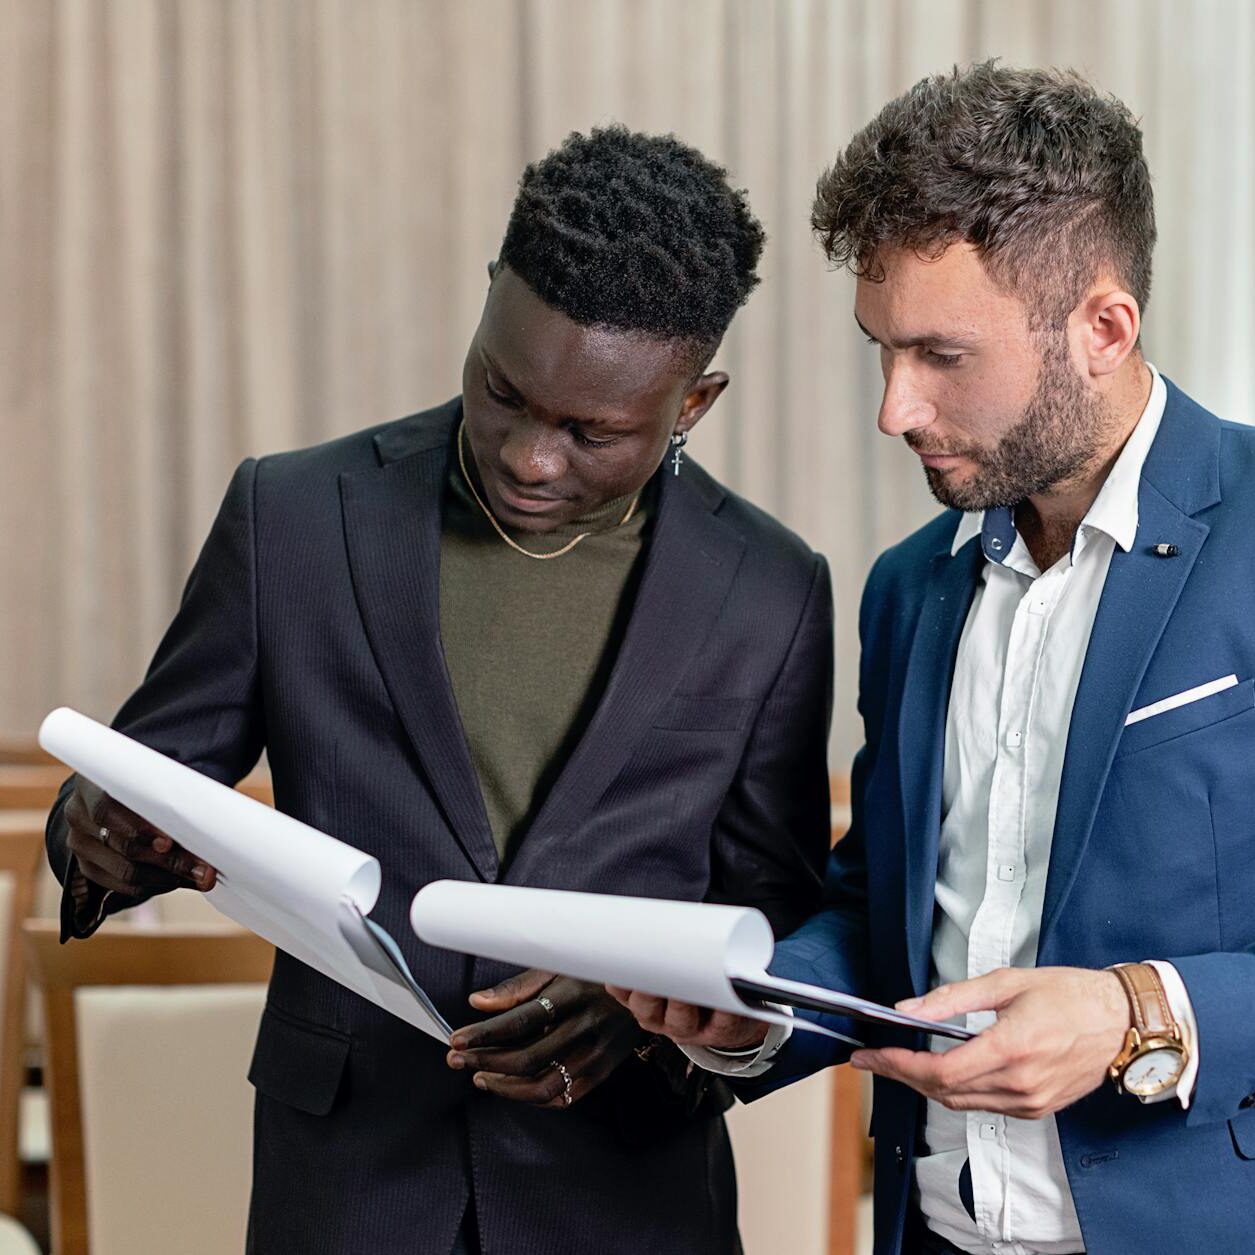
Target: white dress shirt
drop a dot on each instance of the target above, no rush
(1016, 675)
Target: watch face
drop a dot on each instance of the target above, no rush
(1153, 1072)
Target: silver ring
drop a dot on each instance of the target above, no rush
(550, 1009)
(104, 834)
(566, 1081)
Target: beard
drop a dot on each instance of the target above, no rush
(1059, 432)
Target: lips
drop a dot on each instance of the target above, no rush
(527, 503)
(939, 461)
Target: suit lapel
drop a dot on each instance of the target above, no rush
(692, 559)
(922, 734)
(1181, 477)
(392, 530)
(1137, 601)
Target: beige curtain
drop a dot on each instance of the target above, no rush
(234, 226)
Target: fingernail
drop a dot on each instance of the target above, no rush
(907, 1004)
(162, 844)
(458, 1043)
(480, 1083)
(858, 1061)
(457, 1061)
(200, 871)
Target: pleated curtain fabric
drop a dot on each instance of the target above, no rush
(234, 226)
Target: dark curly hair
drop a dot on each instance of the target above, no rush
(1034, 167)
(635, 232)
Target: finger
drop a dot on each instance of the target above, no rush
(649, 1012)
(546, 1089)
(620, 995)
(512, 991)
(111, 871)
(531, 1053)
(983, 993)
(933, 1073)
(728, 1031)
(92, 852)
(107, 822)
(518, 1026)
(681, 1020)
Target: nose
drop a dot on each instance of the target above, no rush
(903, 407)
(532, 454)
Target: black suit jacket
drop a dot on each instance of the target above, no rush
(310, 627)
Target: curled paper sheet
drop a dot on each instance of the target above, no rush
(701, 953)
(300, 889)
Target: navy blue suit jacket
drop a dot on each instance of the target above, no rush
(1153, 853)
(310, 626)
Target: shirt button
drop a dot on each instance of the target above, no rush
(1014, 740)
(995, 544)
(1006, 871)
(988, 1132)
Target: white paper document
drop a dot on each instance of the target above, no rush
(304, 891)
(702, 953)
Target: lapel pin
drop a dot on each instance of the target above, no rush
(1164, 550)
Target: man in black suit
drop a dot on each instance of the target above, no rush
(514, 638)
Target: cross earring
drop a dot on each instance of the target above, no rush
(678, 441)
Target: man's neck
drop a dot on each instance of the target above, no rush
(1047, 521)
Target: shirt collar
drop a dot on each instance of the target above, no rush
(1114, 510)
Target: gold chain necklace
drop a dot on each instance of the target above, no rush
(492, 518)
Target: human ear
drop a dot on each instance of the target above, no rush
(699, 398)
(1104, 328)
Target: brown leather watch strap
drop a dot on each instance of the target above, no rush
(1152, 1017)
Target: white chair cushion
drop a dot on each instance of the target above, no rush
(167, 1115)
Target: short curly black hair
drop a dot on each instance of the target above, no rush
(635, 232)
(1035, 167)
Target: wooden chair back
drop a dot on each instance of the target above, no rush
(208, 955)
(21, 751)
(21, 855)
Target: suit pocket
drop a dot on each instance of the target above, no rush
(298, 1063)
(1183, 720)
(1242, 1131)
(704, 714)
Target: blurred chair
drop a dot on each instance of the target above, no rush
(141, 1158)
(30, 786)
(21, 852)
(19, 751)
(34, 786)
(15, 1239)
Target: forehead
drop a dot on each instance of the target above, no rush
(952, 292)
(556, 362)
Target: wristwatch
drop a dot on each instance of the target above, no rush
(1154, 1054)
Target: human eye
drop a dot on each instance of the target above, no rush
(588, 442)
(506, 399)
(944, 360)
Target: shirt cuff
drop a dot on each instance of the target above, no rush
(744, 1063)
(1183, 1012)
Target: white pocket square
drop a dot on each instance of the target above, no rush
(1195, 694)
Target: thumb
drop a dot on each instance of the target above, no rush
(990, 992)
(511, 991)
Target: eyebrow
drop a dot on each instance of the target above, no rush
(610, 424)
(923, 339)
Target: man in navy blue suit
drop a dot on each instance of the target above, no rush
(1052, 830)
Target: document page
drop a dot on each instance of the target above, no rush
(697, 952)
(300, 889)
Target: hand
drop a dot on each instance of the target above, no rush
(1057, 1030)
(688, 1025)
(120, 851)
(514, 1052)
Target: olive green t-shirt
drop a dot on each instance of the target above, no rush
(530, 644)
